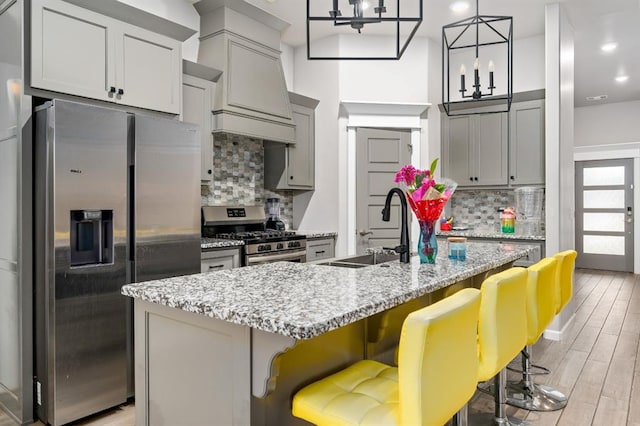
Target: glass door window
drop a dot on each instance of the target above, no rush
(604, 214)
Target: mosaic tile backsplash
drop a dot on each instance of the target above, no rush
(475, 208)
(238, 176)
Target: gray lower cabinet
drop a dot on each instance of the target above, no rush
(475, 149)
(197, 101)
(292, 166)
(320, 249)
(80, 52)
(219, 259)
(526, 143)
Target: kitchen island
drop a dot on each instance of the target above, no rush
(231, 347)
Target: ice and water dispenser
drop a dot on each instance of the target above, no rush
(91, 237)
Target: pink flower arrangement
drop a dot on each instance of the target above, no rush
(419, 182)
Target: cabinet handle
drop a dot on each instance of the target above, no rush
(320, 252)
(475, 178)
(120, 92)
(290, 177)
(216, 266)
(471, 179)
(112, 89)
(210, 171)
(512, 177)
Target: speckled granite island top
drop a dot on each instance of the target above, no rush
(304, 300)
(490, 234)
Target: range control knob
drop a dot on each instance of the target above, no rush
(294, 244)
(280, 246)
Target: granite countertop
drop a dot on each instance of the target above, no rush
(213, 243)
(490, 234)
(305, 300)
(317, 234)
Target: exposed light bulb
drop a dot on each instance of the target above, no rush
(463, 69)
(491, 66)
(476, 64)
(365, 5)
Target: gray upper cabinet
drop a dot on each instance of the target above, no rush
(475, 149)
(80, 52)
(526, 143)
(292, 166)
(197, 101)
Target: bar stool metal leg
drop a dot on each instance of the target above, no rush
(532, 396)
(461, 418)
(500, 382)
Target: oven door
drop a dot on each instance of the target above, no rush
(299, 256)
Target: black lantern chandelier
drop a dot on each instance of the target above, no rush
(363, 13)
(491, 36)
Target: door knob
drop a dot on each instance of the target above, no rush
(364, 232)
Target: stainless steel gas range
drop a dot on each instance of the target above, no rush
(248, 224)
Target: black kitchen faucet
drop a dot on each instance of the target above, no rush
(403, 248)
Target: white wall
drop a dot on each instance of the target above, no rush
(384, 81)
(607, 124)
(178, 11)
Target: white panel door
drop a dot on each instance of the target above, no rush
(71, 50)
(149, 74)
(604, 214)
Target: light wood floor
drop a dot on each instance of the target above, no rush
(596, 363)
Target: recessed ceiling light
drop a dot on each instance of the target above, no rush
(622, 78)
(597, 98)
(365, 5)
(608, 47)
(459, 6)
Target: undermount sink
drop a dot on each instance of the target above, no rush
(363, 260)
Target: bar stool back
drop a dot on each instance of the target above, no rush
(566, 264)
(435, 378)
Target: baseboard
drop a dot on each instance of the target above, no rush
(556, 335)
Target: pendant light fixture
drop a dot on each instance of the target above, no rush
(361, 17)
(477, 41)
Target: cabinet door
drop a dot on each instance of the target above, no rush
(526, 143)
(71, 50)
(301, 156)
(458, 150)
(196, 109)
(490, 145)
(148, 68)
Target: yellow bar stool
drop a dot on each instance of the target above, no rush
(435, 377)
(502, 333)
(542, 288)
(566, 265)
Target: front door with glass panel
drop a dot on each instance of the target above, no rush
(604, 214)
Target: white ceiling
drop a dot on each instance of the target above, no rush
(595, 22)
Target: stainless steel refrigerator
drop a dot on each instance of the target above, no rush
(117, 200)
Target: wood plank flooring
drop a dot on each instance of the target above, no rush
(596, 363)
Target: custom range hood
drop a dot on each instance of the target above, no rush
(251, 96)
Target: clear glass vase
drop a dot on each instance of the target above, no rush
(427, 243)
